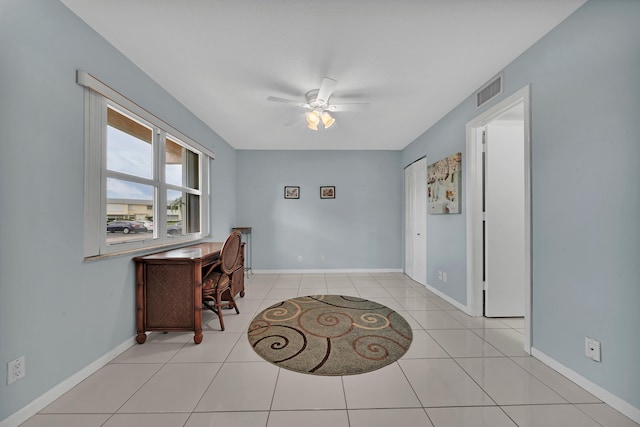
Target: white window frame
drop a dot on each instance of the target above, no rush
(97, 97)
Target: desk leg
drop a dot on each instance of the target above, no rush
(197, 298)
(142, 336)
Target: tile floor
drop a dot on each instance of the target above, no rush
(459, 371)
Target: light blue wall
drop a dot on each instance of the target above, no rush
(60, 312)
(360, 229)
(585, 106)
(446, 234)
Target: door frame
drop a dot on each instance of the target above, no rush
(406, 237)
(474, 207)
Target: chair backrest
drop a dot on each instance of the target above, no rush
(230, 252)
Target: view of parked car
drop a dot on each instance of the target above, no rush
(175, 228)
(147, 224)
(126, 227)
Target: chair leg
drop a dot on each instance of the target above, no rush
(219, 304)
(220, 317)
(232, 303)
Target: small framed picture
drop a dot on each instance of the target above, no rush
(291, 192)
(328, 192)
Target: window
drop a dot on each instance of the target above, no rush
(146, 184)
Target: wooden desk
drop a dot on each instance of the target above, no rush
(169, 288)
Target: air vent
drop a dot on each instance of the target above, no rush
(489, 91)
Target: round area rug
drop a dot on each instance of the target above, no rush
(330, 335)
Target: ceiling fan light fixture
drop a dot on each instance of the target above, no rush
(327, 120)
(313, 118)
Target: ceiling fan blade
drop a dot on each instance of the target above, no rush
(354, 106)
(326, 88)
(287, 101)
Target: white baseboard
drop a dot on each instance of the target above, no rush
(599, 392)
(448, 299)
(329, 271)
(50, 396)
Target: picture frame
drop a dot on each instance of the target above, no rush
(328, 192)
(291, 192)
(444, 185)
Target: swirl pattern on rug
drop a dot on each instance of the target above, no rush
(330, 335)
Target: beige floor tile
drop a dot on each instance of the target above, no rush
(463, 343)
(441, 382)
(243, 352)
(295, 391)
(373, 292)
(424, 346)
(469, 417)
(243, 386)
(228, 419)
(606, 415)
(509, 341)
(436, 320)
(213, 348)
(508, 383)
(106, 390)
(150, 352)
(513, 322)
(477, 322)
(155, 420)
(308, 419)
(560, 384)
(548, 416)
(417, 303)
(384, 388)
(66, 420)
(411, 417)
(177, 387)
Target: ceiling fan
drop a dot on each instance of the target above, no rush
(319, 106)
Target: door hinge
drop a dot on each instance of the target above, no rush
(484, 285)
(484, 141)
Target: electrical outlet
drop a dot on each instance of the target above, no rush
(592, 349)
(299, 258)
(16, 369)
(444, 276)
(440, 274)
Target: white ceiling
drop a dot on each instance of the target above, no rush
(413, 60)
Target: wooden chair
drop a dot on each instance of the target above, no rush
(217, 281)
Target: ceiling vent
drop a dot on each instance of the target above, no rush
(489, 91)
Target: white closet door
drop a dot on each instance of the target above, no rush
(504, 208)
(416, 221)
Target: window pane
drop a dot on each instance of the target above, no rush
(129, 214)
(129, 145)
(183, 213)
(175, 213)
(182, 165)
(193, 213)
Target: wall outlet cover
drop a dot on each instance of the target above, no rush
(592, 349)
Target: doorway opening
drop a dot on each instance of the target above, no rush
(487, 171)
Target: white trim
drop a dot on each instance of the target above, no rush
(474, 207)
(607, 397)
(87, 80)
(54, 393)
(448, 299)
(329, 271)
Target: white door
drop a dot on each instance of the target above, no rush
(415, 181)
(504, 219)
